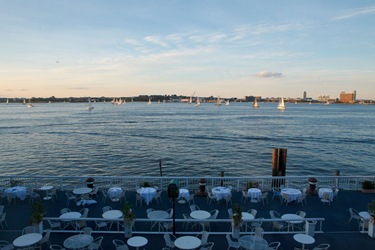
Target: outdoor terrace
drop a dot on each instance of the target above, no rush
(332, 227)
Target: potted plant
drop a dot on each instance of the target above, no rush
(36, 218)
(129, 219)
(368, 186)
(236, 221)
(371, 225)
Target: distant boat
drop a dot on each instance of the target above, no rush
(197, 102)
(227, 103)
(218, 101)
(158, 101)
(327, 103)
(88, 105)
(281, 105)
(255, 104)
(7, 101)
(149, 101)
(29, 105)
(191, 98)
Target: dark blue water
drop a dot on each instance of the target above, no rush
(64, 139)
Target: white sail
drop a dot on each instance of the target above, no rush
(197, 102)
(149, 101)
(7, 101)
(218, 101)
(227, 103)
(281, 105)
(88, 105)
(255, 104)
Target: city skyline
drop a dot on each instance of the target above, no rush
(219, 48)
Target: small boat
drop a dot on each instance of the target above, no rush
(149, 101)
(88, 106)
(29, 105)
(7, 101)
(227, 103)
(281, 105)
(255, 104)
(327, 103)
(197, 102)
(218, 101)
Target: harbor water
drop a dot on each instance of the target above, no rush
(126, 140)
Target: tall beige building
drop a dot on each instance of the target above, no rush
(348, 97)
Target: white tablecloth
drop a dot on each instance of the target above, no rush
(183, 193)
(220, 192)
(253, 242)
(324, 191)
(147, 194)
(254, 193)
(19, 191)
(114, 193)
(293, 193)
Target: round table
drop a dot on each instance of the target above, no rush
(220, 192)
(253, 242)
(137, 241)
(200, 215)
(27, 240)
(82, 190)
(46, 188)
(113, 214)
(294, 219)
(18, 191)
(187, 242)
(157, 214)
(247, 216)
(78, 241)
(114, 193)
(254, 194)
(293, 193)
(323, 191)
(303, 239)
(70, 216)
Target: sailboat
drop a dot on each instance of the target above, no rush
(197, 102)
(88, 105)
(29, 105)
(218, 101)
(7, 101)
(327, 103)
(281, 105)
(255, 104)
(149, 101)
(227, 103)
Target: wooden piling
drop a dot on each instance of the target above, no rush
(278, 165)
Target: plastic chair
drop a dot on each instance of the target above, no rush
(45, 239)
(354, 214)
(326, 198)
(194, 208)
(70, 197)
(232, 243)
(56, 247)
(64, 210)
(207, 246)
(54, 224)
(322, 247)
(96, 244)
(245, 196)
(274, 245)
(204, 237)
(276, 224)
(258, 231)
(120, 245)
(106, 208)
(168, 240)
(276, 193)
(2, 220)
(28, 230)
(6, 245)
(264, 197)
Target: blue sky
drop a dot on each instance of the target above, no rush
(214, 47)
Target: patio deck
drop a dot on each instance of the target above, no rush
(337, 232)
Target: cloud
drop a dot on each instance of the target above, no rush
(155, 40)
(268, 74)
(356, 12)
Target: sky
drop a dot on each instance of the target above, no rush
(211, 47)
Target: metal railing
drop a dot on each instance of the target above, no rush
(238, 183)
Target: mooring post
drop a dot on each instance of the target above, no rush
(221, 175)
(160, 168)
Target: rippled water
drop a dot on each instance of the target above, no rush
(63, 139)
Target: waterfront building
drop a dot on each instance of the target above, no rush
(348, 97)
(304, 95)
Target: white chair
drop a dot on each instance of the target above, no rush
(52, 193)
(258, 231)
(231, 243)
(2, 220)
(56, 247)
(354, 214)
(96, 244)
(264, 198)
(64, 210)
(169, 243)
(54, 224)
(86, 231)
(28, 230)
(45, 239)
(187, 223)
(228, 198)
(6, 245)
(105, 196)
(285, 199)
(191, 198)
(106, 208)
(230, 213)
(138, 199)
(274, 245)
(276, 224)
(255, 224)
(322, 247)
(245, 196)
(158, 197)
(203, 237)
(207, 246)
(326, 198)
(70, 197)
(302, 199)
(194, 208)
(210, 198)
(335, 194)
(120, 245)
(276, 193)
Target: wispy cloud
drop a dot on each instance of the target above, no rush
(155, 40)
(268, 74)
(355, 13)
